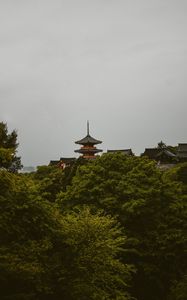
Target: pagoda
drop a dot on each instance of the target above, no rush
(88, 150)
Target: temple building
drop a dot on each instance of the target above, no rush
(63, 162)
(182, 152)
(127, 152)
(88, 149)
(162, 154)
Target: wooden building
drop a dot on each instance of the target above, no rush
(123, 151)
(88, 149)
(182, 152)
(63, 162)
(161, 154)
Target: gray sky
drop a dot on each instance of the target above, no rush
(122, 64)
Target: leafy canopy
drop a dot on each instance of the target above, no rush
(47, 255)
(151, 208)
(8, 149)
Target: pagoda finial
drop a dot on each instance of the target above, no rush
(88, 129)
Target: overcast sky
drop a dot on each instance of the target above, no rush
(122, 64)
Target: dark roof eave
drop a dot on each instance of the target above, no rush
(88, 151)
(168, 153)
(88, 140)
(124, 151)
(68, 158)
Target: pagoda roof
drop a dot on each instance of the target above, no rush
(88, 139)
(82, 150)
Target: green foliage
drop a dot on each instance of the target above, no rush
(178, 173)
(50, 181)
(8, 149)
(179, 290)
(91, 246)
(152, 210)
(5, 157)
(60, 236)
(111, 181)
(25, 231)
(44, 255)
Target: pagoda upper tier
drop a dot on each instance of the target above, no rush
(88, 150)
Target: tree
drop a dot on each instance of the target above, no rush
(91, 247)
(150, 207)
(26, 226)
(49, 180)
(45, 255)
(8, 149)
(179, 290)
(178, 173)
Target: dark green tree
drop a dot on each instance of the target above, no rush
(179, 290)
(49, 181)
(8, 149)
(25, 238)
(152, 210)
(47, 255)
(92, 244)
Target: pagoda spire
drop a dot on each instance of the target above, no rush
(88, 128)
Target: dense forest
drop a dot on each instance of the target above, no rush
(110, 229)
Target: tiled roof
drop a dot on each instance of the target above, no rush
(182, 147)
(124, 151)
(157, 152)
(67, 159)
(151, 152)
(182, 151)
(62, 160)
(165, 151)
(53, 162)
(91, 150)
(88, 140)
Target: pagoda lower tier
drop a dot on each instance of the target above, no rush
(88, 150)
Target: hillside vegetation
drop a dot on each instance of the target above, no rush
(109, 229)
